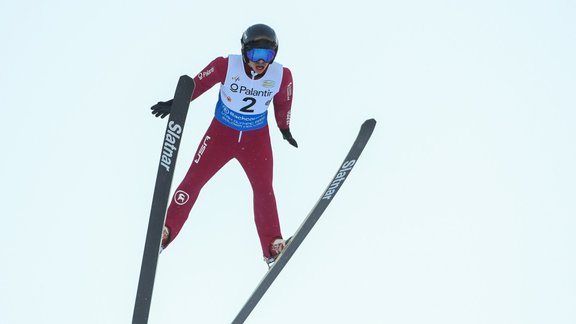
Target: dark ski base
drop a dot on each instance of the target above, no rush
(349, 162)
(164, 177)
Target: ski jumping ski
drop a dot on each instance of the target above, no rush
(335, 185)
(160, 199)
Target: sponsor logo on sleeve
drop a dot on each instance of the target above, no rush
(206, 73)
(289, 91)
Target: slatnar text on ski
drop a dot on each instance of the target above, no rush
(340, 176)
(172, 136)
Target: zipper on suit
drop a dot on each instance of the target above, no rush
(254, 74)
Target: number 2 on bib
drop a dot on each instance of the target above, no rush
(252, 102)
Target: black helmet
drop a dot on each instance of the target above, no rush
(259, 36)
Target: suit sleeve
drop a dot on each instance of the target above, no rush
(283, 100)
(213, 73)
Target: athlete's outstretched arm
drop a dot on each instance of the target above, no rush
(283, 106)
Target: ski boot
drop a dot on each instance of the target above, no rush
(276, 248)
(165, 238)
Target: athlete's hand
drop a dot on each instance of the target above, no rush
(162, 108)
(288, 136)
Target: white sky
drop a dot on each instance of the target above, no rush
(461, 209)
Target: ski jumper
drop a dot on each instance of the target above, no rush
(238, 131)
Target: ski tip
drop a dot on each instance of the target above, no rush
(370, 123)
(186, 83)
(185, 78)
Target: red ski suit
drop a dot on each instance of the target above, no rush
(222, 143)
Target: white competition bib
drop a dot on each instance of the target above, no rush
(243, 103)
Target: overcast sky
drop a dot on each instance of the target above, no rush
(460, 210)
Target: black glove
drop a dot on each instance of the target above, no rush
(288, 136)
(162, 108)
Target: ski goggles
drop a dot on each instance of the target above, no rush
(257, 54)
